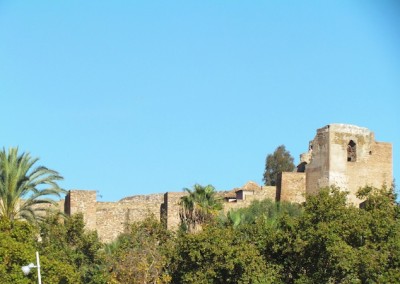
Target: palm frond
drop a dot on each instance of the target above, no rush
(19, 180)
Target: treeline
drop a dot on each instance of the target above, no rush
(322, 241)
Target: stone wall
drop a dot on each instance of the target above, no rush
(348, 156)
(171, 209)
(329, 161)
(82, 201)
(244, 200)
(317, 169)
(112, 218)
(291, 187)
(238, 204)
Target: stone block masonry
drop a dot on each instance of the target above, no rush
(112, 218)
(343, 155)
(291, 187)
(83, 201)
(348, 156)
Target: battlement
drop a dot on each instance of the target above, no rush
(340, 154)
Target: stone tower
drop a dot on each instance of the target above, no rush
(349, 157)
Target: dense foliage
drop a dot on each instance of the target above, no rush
(141, 255)
(199, 207)
(217, 255)
(322, 241)
(69, 246)
(68, 254)
(23, 187)
(277, 162)
(336, 243)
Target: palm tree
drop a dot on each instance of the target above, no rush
(24, 190)
(199, 207)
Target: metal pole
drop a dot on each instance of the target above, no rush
(38, 268)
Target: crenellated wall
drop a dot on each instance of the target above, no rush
(340, 154)
(111, 218)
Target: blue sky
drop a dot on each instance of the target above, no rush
(137, 97)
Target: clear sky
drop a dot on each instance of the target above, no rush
(137, 97)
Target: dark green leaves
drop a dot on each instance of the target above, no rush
(279, 161)
(23, 188)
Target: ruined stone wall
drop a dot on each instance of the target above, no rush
(291, 187)
(379, 166)
(114, 218)
(238, 204)
(348, 156)
(266, 192)
(371, 163)
(375, 169)
(111, 218)
(317, 169)
(326, 163)
(141, 206)
(171, 209)
(339, 167)
(83, 201)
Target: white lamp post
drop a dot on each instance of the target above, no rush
(27, 268)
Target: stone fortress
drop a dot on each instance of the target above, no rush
(340, 154)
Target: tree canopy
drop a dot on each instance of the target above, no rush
(24, 188)
(277, 162)
(332, 242)
(323, 240)
(198, 207)
(141, 255)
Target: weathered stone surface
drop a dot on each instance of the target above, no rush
(329, 161)
(171, 205)
(333, 163)
(112, 218)
(291, 187)
(82, 201)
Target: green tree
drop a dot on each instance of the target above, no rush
(258, 225)
(279, 161)
(17, 248)
(67, 245)
(380, 239)
(332, 242)
(141, 255)
(199, 207)
(24, 188)
(217, 255)
(18, 243)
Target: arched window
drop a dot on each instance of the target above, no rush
(351, 151)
